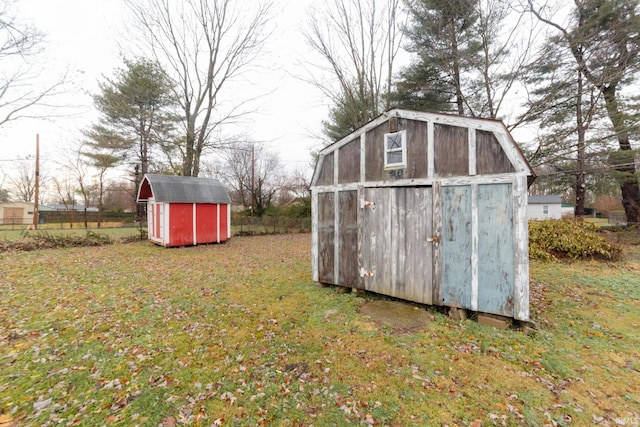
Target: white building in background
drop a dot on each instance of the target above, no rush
(544, 207)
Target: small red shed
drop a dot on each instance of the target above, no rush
(185, 210)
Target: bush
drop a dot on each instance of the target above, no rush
(42, 240)
(569, 239)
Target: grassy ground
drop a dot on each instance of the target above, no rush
(237, 334)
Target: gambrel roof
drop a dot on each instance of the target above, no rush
(182, 189)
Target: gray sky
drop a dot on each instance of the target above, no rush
(84, 37)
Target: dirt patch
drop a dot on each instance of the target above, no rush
(401, 317)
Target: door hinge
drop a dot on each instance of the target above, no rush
(367, 203)
(365, 273)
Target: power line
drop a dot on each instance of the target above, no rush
(599, 169)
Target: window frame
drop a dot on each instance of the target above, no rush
(545, 209)
(403, 149)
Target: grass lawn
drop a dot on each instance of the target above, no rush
(238, 334)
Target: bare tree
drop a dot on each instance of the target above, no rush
(24, 183)
(21, 87)
(357, 41)
(74, 164)
(254, 174)
(203, 45)
(65, 191)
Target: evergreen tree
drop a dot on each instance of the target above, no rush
(441, 35)
(135, 109)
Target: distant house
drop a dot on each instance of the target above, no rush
(16, 213)
(64, 208)
(544, 207)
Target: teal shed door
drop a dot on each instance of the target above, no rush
(396, 244)
(495, 249)
(477, 247)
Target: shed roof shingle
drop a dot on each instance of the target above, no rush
(184, 189)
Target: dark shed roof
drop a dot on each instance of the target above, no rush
(182, 189)
(550, 199)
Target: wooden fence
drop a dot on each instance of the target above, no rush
(240, 225)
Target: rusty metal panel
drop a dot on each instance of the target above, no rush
(326, 238)
(348, 274)
(495, 249)
(397, 248)
(456, 244)
(349, 162)
(490, 157)
(451, 150)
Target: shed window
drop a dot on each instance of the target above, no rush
(395, 150)
(545, 209)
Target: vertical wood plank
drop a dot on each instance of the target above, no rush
(474, 246)
(363, 154)
(451, 150)
(314, 235)
(491, 158)
(471, 132)
(436, 285)
(417, 249)
(348, 239)
(430, 150)
(375, 153)
(336, 237)
(521, 239)
(349, 162)
(326, 238)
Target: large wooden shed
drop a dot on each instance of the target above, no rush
(428, 208)
(184, 210)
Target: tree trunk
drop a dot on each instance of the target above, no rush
(628, 179)
(581, 188)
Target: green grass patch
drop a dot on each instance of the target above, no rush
(237, 334)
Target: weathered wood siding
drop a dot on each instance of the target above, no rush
(349, 162)
(374, 158)
(348, 274)
(417, 142)
(396, 248)
(451, 150)
(325, 175)
(326, 237)
(490, 157)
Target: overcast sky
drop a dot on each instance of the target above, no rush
(85, 37)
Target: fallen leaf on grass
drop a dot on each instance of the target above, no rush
(6, 420)
(41, 405)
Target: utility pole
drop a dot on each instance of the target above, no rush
(37, 186)
(253, 179)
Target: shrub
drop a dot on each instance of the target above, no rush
(569, 239)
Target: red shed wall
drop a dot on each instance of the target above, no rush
(180, 224)
(206, 223)
(224, 223)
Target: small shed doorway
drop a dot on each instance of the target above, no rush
(397, 242)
